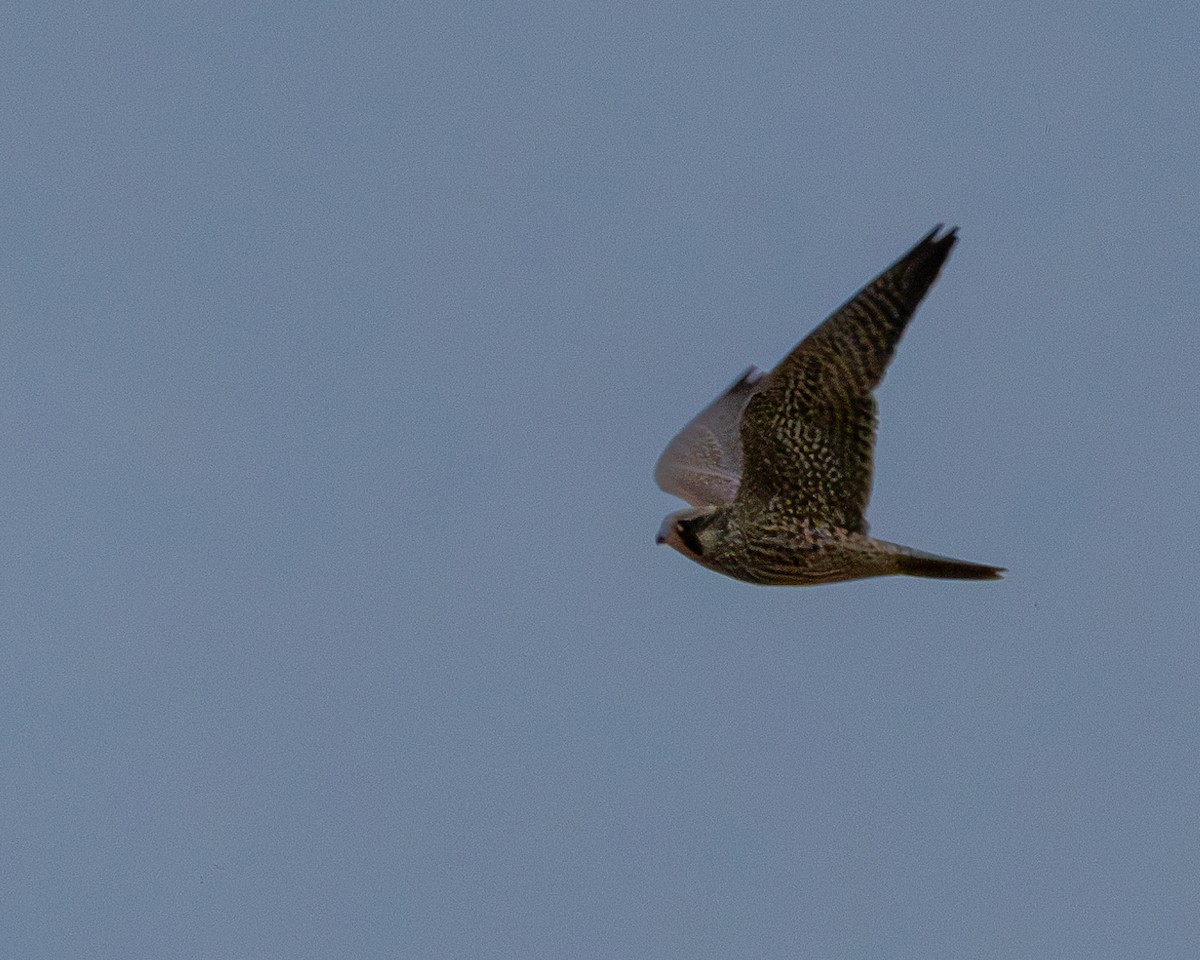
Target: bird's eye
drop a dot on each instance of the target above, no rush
(688, 536)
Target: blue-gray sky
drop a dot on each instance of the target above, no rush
(337, 344)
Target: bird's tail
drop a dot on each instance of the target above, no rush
(914, 563)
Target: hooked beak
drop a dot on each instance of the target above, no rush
(659, 538)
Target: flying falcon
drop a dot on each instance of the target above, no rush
(778, 468)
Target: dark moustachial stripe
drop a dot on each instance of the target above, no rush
(687, 534)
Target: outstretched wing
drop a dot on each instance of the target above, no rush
(808, 435)
(703, 464)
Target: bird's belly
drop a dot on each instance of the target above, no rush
(806, 561)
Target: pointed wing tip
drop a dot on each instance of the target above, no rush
(947, 239)
(930, 252)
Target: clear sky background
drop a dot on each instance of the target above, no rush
(337, 345)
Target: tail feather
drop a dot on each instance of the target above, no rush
(914, 563)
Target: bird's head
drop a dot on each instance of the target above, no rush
(692, 532)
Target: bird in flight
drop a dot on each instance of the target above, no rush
(778, 468)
